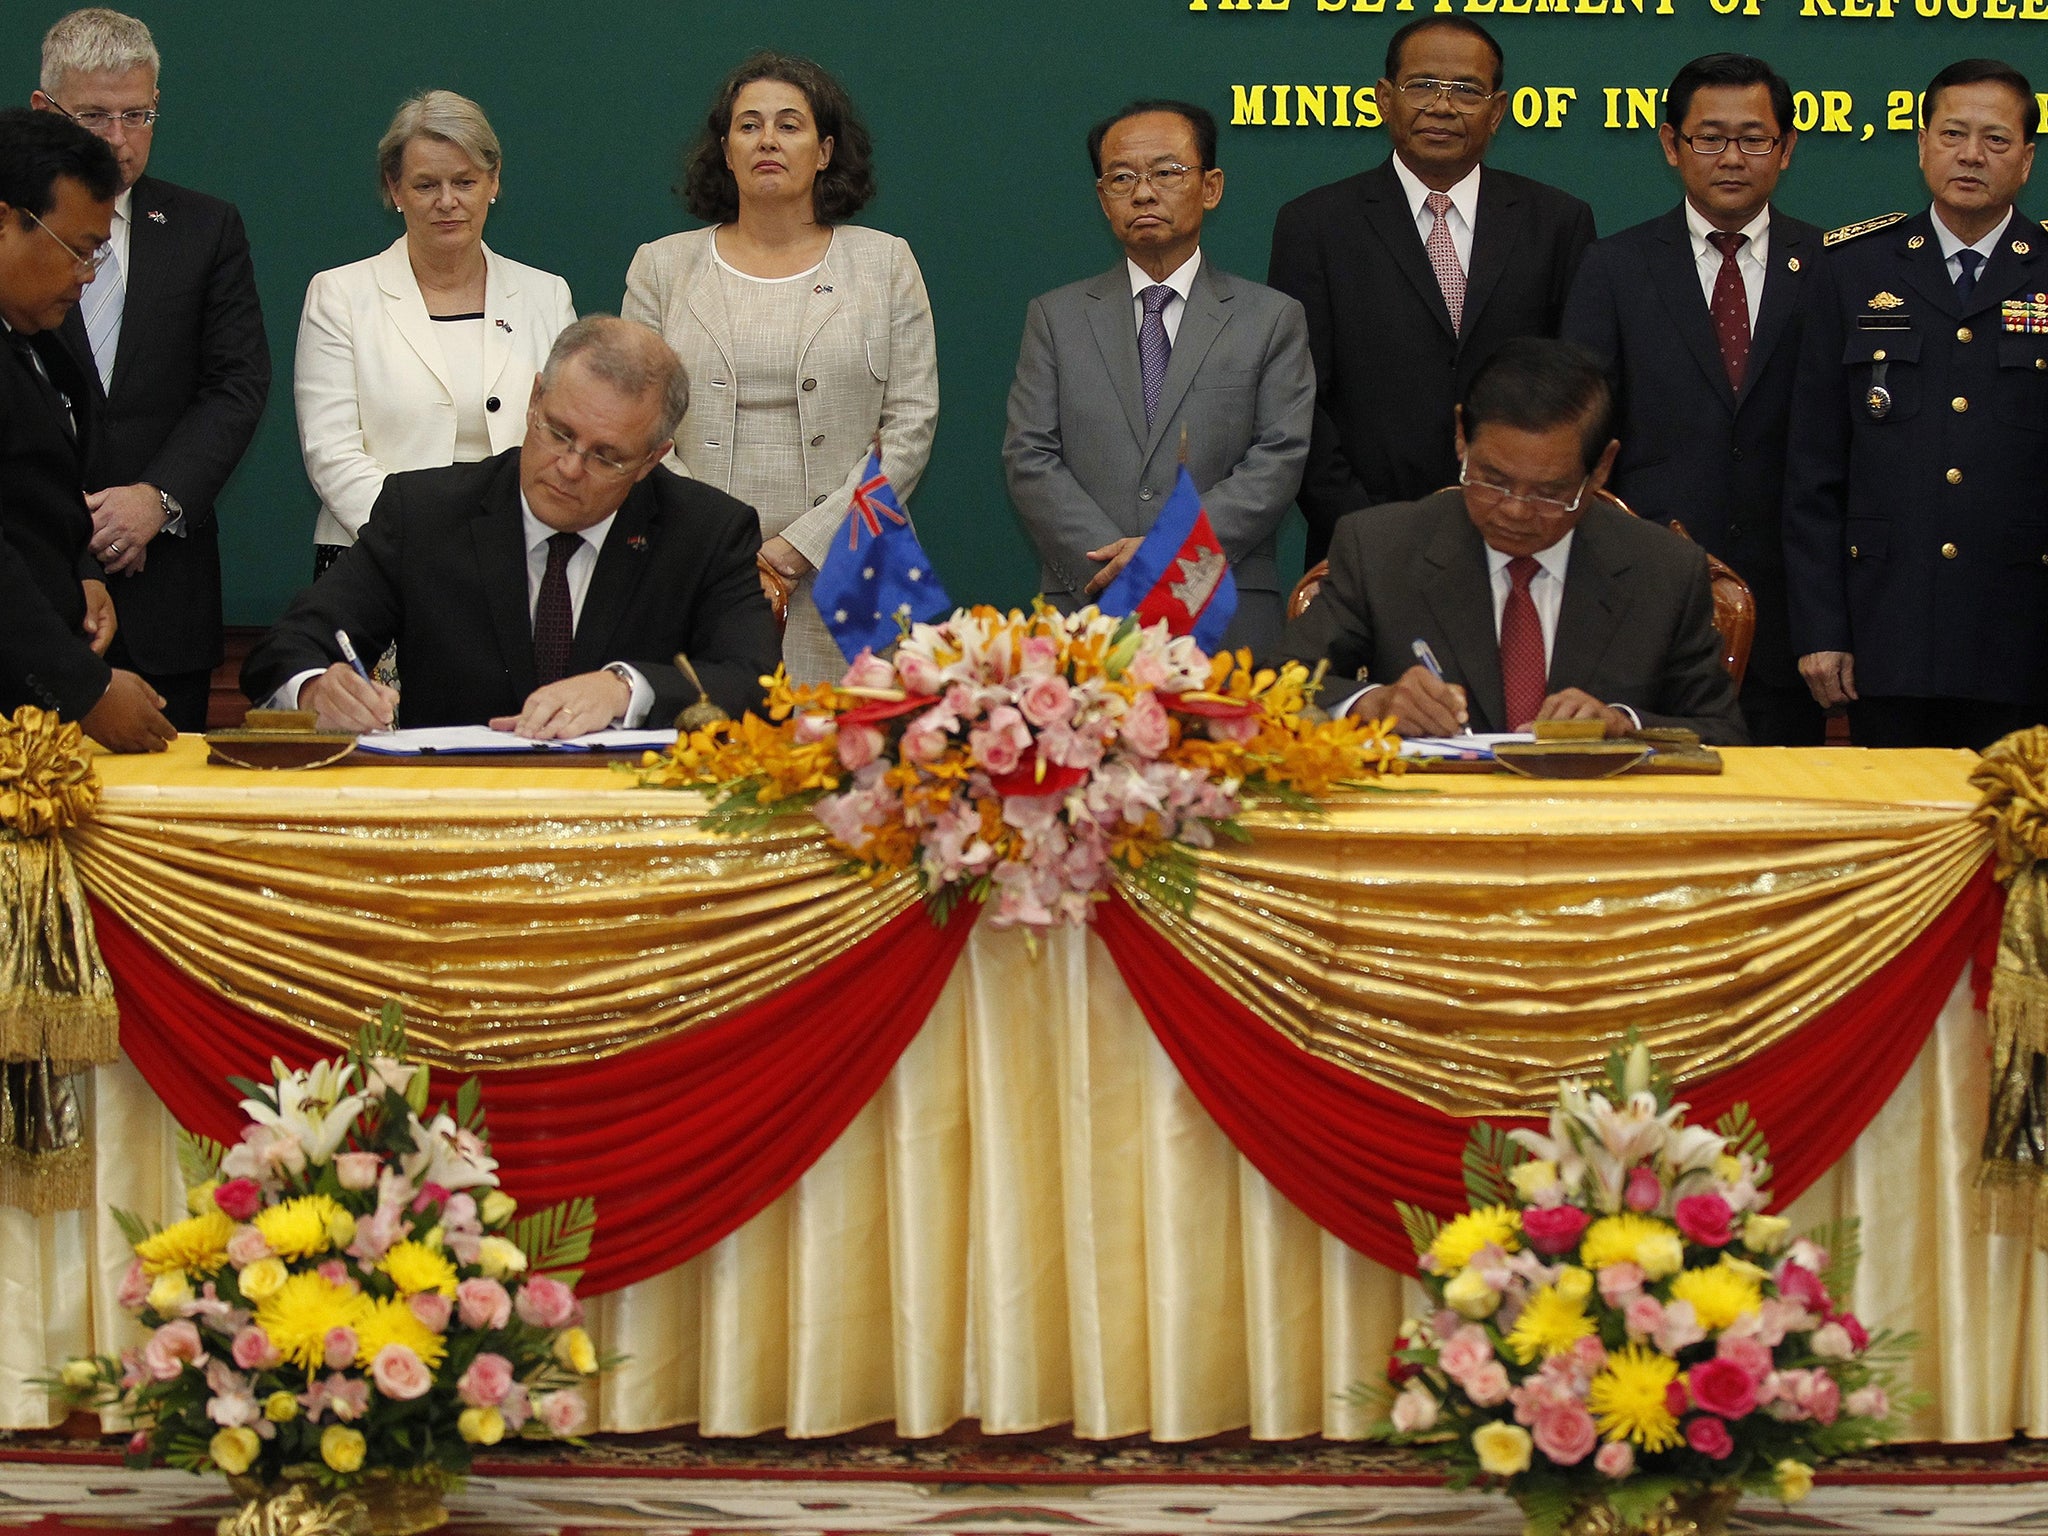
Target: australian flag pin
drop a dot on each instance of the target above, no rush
(822, 288)
(637, 542)
(156, 216)
(505, 326)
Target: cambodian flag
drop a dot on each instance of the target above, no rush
(876, 571)
(1179, 573)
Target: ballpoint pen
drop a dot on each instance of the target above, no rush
(1427, 657)
(348, 654)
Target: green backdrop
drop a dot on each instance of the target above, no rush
(978, 111)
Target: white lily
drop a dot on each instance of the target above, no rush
(313, 1105)
(448, 1156)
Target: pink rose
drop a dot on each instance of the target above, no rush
(1680, 1329)
(170, 1348)
(239, 1198)
(1041, 655)
(1590, 1355)
(483, 1303)
(1555, 1229)
(138, 1443)
(335, 1272)
(1722, 1387)
(1824, 1397)
(564, 1413)
(1615, 1459)
(1869, 1403)
(430, 1195)
(339, 1348)
(1709, 1436)
(1643, 1316)
(1798, 1283)
(1488, 1385)
(1619, 1283)
(1675, 1402)
(133, 1372)
(1644, 1192)
(134, 1287)
(1565, 1433)
(517, 1407)
(400, 1374)
(1145, 726)
(859, 745)
(1831, 1342)
(253, 1350)
(998, 743)
(1414, 1410)
(1465, 1352)
(545, 1303)
(920, 674)
(431, 1308)
(1748, 1352)
(486, 1382)
(1046, 700)
(1704, 1219)
(1859, 1336)
(246, 1246)
(358, 1170)
(869, 671)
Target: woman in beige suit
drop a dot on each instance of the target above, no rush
(425, 353)
(805, 337)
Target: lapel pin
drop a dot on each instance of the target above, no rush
(1916, 242)
(156, 216)
(2020, 248)
(822, 288)
(505, 326)
(1792, 264)
(637, 542)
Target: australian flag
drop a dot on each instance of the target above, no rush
(1178, 574)
(876, 571)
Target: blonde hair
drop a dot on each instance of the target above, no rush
(436, 115)
(86, 42)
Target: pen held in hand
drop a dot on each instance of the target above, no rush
(348, 654)
(1427, 657)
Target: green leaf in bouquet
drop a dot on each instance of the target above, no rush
(384, 1035)
(1545, 1507)
(198, 1157)
(1632, 1069)
(1843, 1239)
(1420, 1225)
(469, 1104)
(1634, 1498)
(1744, 1136)
(133, 1227)
(248, 1088)
(556, 1241)
(1489, 1154)
(1169, 877)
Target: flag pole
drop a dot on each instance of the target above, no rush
(1183, 445)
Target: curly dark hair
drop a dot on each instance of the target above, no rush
(842, 189)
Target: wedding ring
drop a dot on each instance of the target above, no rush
(114, 548)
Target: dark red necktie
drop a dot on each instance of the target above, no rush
(554, 619)
(1730, 308)
(1524, 674)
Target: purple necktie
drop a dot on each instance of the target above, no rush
(1153, 347)
(554, 619)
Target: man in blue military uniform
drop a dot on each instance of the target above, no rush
(1916, 501)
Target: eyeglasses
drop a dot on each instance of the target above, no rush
(564, 444)
(1538, 503)
(1715, 143)
(1464, 95)
(93, 120)
(89, 265)
(1164, 179)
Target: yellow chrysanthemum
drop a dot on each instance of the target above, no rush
(299, 1314)
(1463, 1236)
(1628, 1239)
(301, 1228)
(1719, 1293)
(415, 1267)
(1549, 1325)
(198, 1245)
(1627, 1398)
(389, 1320)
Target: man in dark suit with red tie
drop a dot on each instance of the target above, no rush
(169, 336)
(1413, 273)
(1696, 316)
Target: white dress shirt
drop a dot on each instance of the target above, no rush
(1463, 214)
(1752, 259)
(1952, 242)
(1181, 280)
(1546, 588)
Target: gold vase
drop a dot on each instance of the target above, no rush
(380, 1505)
(1700, 1511)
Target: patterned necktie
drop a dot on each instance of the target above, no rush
(1153, 347)
(1443, 256)
(1524, 674)
(1971, 263)
(1730, 306)
(106, 297)
(554, 620)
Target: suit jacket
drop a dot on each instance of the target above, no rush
(45, 531)
(866, 362)
(1388, 367)
(191, 373)
(1636, 625)
(441, 570)
(1084, 469)
(1917, 539)
(1692, 450)
(372, 383)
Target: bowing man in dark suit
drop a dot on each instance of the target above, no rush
(1538, 601)
(1696, 317)
(1412, 273)
(170, 338)
(546, 590)
(57, 186)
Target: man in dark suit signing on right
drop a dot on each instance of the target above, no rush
(1412, 273)
(1538, 600)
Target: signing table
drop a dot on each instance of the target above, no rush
(855, 1168)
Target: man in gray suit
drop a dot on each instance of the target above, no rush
(1113, 369)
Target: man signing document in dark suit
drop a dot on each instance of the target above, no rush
(1539, 601)
(544, 591)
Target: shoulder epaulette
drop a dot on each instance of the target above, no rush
(1851, 231)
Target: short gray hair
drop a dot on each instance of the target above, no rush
(436, 115)
(630, 357)
(86, 42)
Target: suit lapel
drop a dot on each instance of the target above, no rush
(407, 310)
(501, 294)
(707, 303)
(1495, 236)
(1116, 336)
(824, 302)
(151, 231)
(621, 565)
(1783, 285)
(498, 536)
(2006, 268)
(1383, 204)
(1676, 278)
(1202, 319)
(1926, 269)
(1451, 574)
(1595, 597)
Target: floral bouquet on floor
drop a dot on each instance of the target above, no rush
(351, 1305)
(1622, 1339)
(1025, 759)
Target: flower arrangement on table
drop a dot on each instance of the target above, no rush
(352, 1298)
(1623, 1339)
(1027, 758)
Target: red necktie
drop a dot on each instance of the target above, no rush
(554, 619)
(1730, 307)
(1524, 674)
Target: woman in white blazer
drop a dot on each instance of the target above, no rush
(806, 338)
(425, 353)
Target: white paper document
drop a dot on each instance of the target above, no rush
(1470, 746)
(433, 740)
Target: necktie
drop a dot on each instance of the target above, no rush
(101, 308)
(1524, 674)
(554, 620)
(1730, 306)
(1971, 263)
(1153, 347)
(1443, 256)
